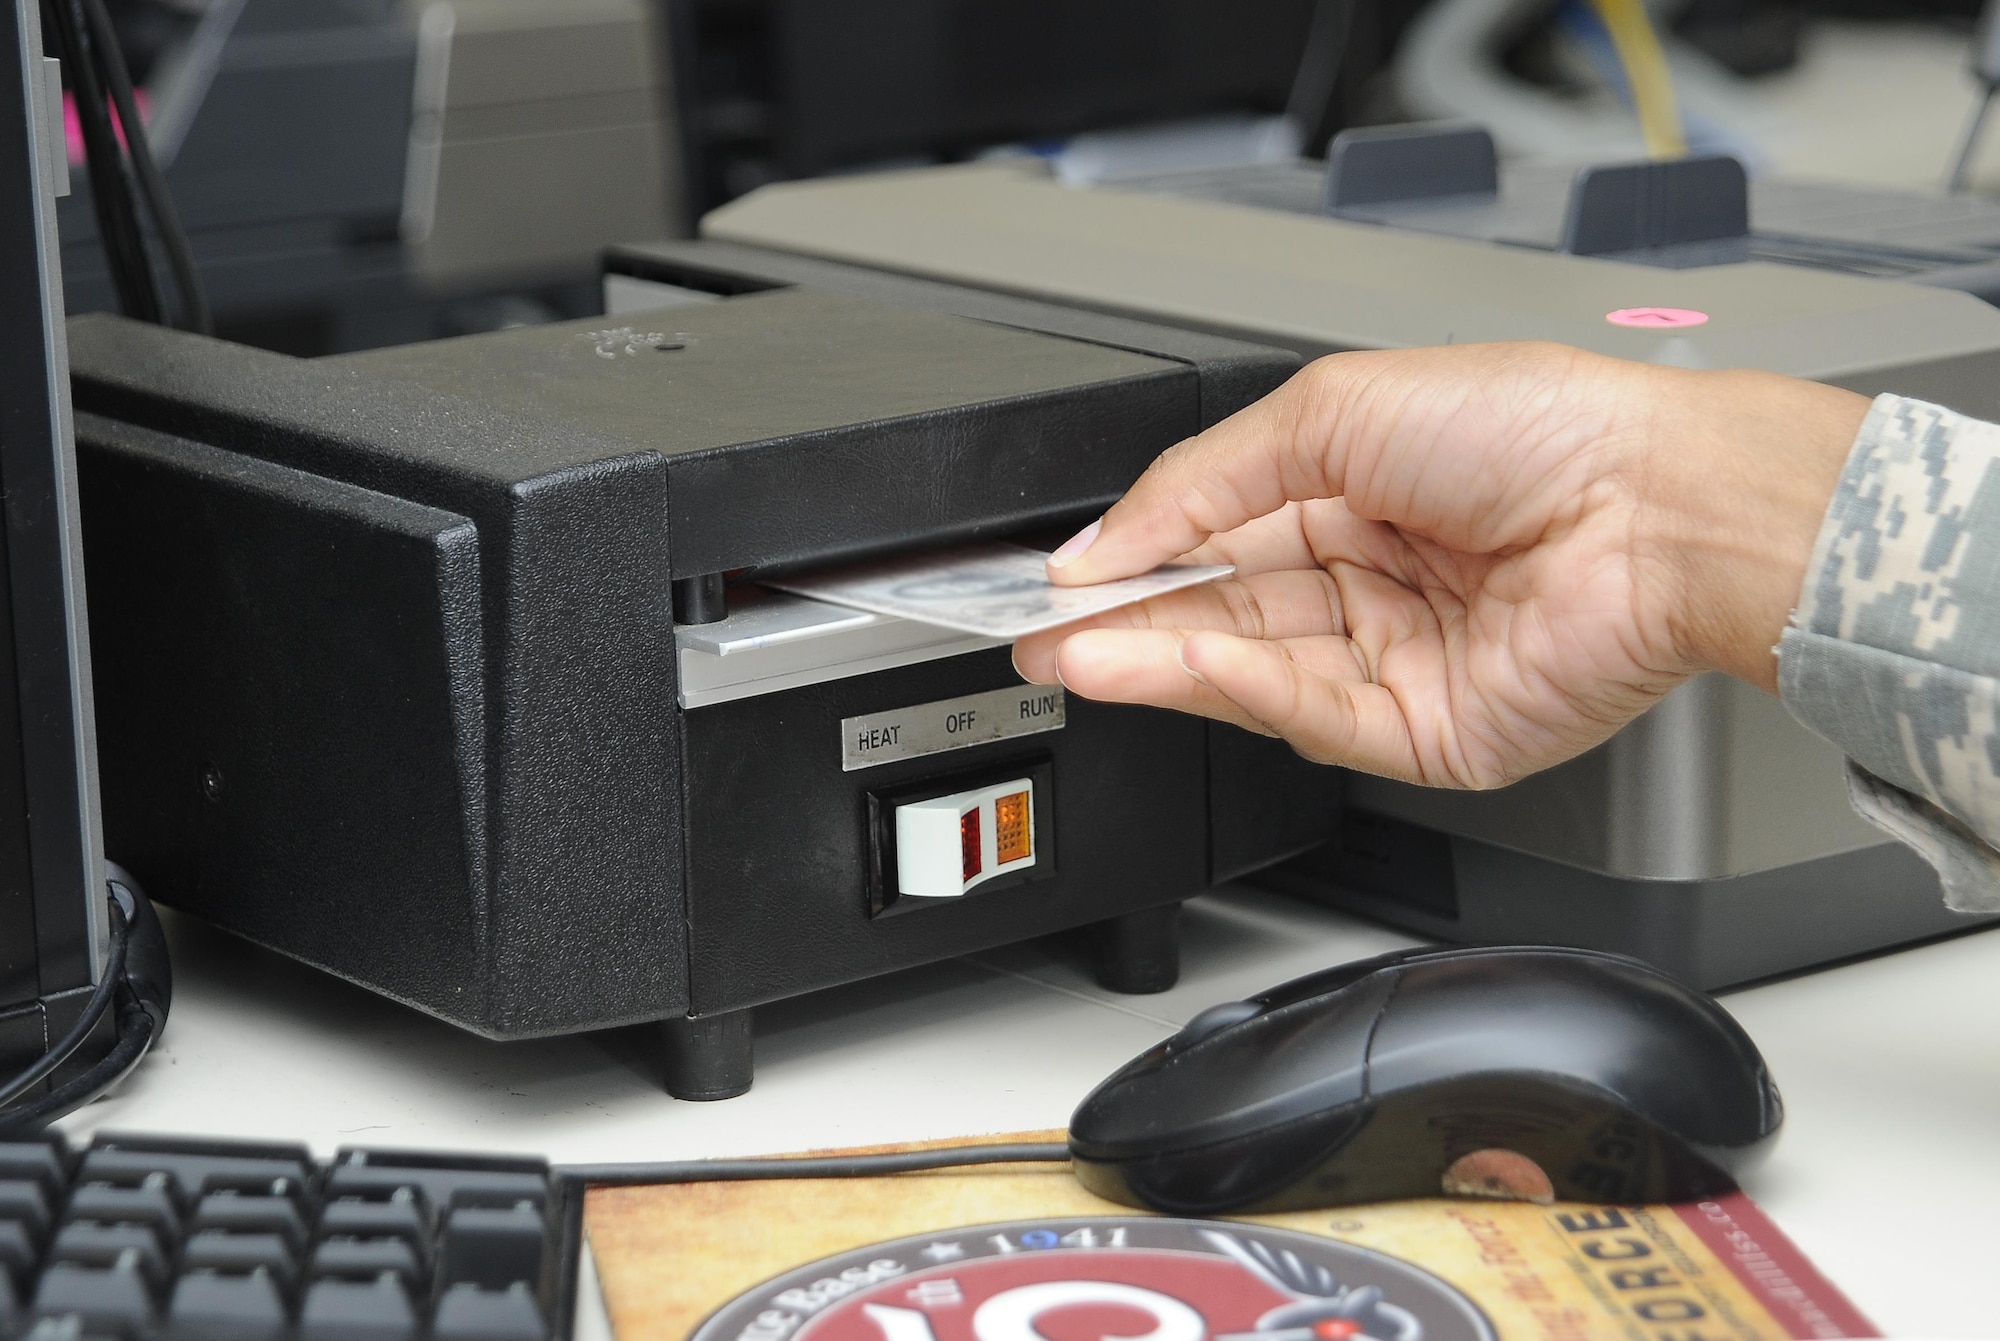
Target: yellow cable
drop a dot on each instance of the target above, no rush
(1646, 73)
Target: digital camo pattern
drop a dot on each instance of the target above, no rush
(1894, 651)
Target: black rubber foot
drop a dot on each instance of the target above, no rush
(1140, 953)
(708, 1058)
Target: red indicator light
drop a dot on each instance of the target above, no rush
(1336, 1329)
(968, 843)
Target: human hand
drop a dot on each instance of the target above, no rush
(1457, 566)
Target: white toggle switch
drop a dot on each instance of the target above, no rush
(948, 844)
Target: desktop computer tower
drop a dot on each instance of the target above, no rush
(54, 918)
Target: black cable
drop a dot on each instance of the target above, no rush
(93, 1011)
(1968, 141)
(1310, 103)
(135, 1034)
(831, 1166)
(140, 296)
(173, 239)
(110, 189)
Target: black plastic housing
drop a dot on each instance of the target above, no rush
(387, 672)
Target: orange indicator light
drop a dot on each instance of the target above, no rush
(968, 843)
(1013, 839)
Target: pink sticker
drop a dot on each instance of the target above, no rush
(1656, 318)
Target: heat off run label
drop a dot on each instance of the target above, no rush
(948, 724)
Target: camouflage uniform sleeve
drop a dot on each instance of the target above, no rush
(1894, 651)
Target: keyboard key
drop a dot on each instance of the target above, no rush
(397, 1219)
(366, 1259)
(341, 1310)
(18, 1251)
(35, 1162)
(105, 1299)
(240, 1214)
(366, 1182)
(242, 1255)
(496, 1190)
(150, 1205)
(88, 1244)
(444, 1188)
(215, 1307)
(198, 1167)
(468, 1313)
(260, 1184)
(26, 1204)
(117, 1168)
(491, 1248)
(138, 1239)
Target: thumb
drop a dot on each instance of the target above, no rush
(1276, 451)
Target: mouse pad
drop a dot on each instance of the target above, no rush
(1023, 1253)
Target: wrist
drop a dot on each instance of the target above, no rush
(1745, 466)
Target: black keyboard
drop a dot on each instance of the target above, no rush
(141, 1238)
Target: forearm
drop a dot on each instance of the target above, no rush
(1893, 653)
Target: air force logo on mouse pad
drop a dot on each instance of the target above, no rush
(1132, 1278)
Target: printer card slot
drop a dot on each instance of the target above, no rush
(772, 641)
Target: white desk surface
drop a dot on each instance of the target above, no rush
(1887, 1173)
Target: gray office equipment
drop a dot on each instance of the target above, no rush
(543, 133)
(53, 916)
(1694, 212)
(1397, 164)
(357, 173)
(281, 127)
(1713, 835)
(1617, 209)
(1986, 68)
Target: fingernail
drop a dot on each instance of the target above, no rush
(1074, 547)
(1180, 655)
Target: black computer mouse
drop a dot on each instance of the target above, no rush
(1535, 1072)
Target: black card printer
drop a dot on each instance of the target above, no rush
(443, 667)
